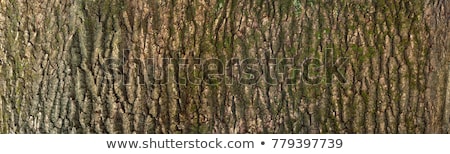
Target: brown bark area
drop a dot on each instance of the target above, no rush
(59, 70)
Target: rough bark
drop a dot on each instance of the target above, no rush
(82, 66)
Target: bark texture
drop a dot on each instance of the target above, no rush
(56, 75)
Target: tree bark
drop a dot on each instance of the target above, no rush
(100, 66)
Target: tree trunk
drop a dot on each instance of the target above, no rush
(225, 66)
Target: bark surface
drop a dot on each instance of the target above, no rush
(82, 66)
